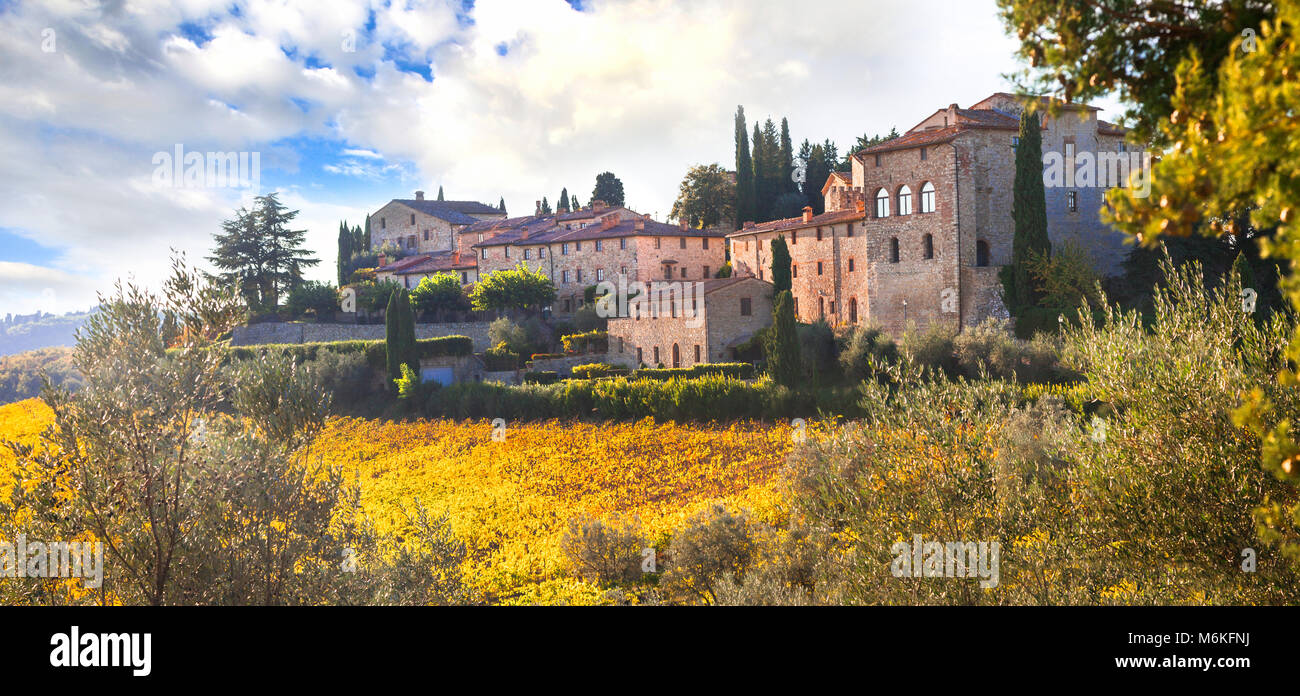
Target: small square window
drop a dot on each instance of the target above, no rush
(745, 307)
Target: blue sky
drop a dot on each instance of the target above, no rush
(349, 104)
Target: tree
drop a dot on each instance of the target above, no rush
(788, 184)
(745, 193)
(1082, 49)
(780, 264)
(782, 346)
(573, 202)
(609, 189)
(502, 205)
(816, 173)
(516, 288)
(563, 205)
(258, 254)
(1029, 212)
(440, 193)
(321, 299)
(706, 197)
(345, 249)
(439, 294)
(399, 337)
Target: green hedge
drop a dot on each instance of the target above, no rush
(594, 341)
(710, 398)
(737, 370)
(500, 359)
(541, 377)
(373, 351)
(594, 370)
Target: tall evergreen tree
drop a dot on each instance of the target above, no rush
(393, 339)
(546, 206)
(345, 250)
(440, 193)
(573, 202)
(502, 205)
(782, 347)
(258, 253)
(1029, 212)
(744, 172)
(365, 245)
(563, 205)
(780, 264)
(815, 178)
(788, 184)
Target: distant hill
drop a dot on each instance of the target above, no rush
(20, 375)
(19, 333)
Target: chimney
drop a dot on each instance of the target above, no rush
(748, 224)
(419, 195)
(609, 221)
(686, 225)
(639, 224)
(951, 119)
(538, 212)
(807, 213)
(862, 207)
(383, 260)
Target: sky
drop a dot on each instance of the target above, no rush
(344, 105)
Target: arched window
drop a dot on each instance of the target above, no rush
(853, 310)
(928, 246)
(893, 249)
(882, 203)
(981, 253)
(905, 200)
(677, 356)
(927, 197)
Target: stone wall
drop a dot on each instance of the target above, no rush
(282, 332)
(564, 366)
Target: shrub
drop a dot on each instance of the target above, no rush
(604, 553)
(375, 352)
(593, 370)
(866, 350)
(320, 299)
(715, 543)
(500, 358)
(590, 342)
(932, 349)
(543, 377)
(737, 370)
(525, 338)
(345, 376)
(817, 349)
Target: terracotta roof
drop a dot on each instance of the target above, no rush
(844, 177)
(916, 139)
(987, 118)
(1108, 128)
(797, 223)
(715, 284)
(429, 263)
(546, 230)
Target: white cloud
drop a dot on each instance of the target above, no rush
(643, 88)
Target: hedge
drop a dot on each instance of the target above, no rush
(737, 370)
(500, 359)
(594, 370)
(594, 341)
(541, 377)
(373, 351)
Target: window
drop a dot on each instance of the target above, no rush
(927, 244)
(681, 243)
(819, 234)
(598, 245)
(1072, 201)
(677, 356)
(657, 241)
(893, 249)
(578, 275)
(383, 223)
(426, 235)
(832, 307)
(760, 274)
(882, 203)
(927, 197)
(706, 273)
(600, 274)
(507, 252)
(697, 352)
(577, 246)
(564, 277)
(683, 271)
(905, 200)
(923, 154)
(620, 344)
(877, 160)
(821, 307)
(482, 253)
(819, 268)
(541, 252)
(528, 254)
(1015, 142)
(794, 236)
(668, 272)
(568, 306)
(639, 359)
(794, 270)
(564, 249)
(412, 218)
(850, 264)
(848, 230)
(410, 240)
(981, 253)
(853, 310)
(622, 242)
(464, 277)
(746, 309)
(705, 243)
(656, 355)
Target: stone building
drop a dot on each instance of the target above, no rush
(600, 243)
(421, 226)
(699, 322)
(410, 270)
(917, 230)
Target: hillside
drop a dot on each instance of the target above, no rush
(24, 333)
(20, 374)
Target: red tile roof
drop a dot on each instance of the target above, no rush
(797, 223)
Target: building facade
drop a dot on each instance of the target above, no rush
(418, 226)
(701, 325)
(916, 232)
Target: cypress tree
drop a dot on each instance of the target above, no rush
(817, 171)
(366, 245)
(1029, 211)
(780, 264)
(546, 207)
(410, 351)
(744, 172)
(563, 205)
(393, 339)
(502, 205)
(440, 193)
(345, 251)
(788, 184)
(783, 361)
